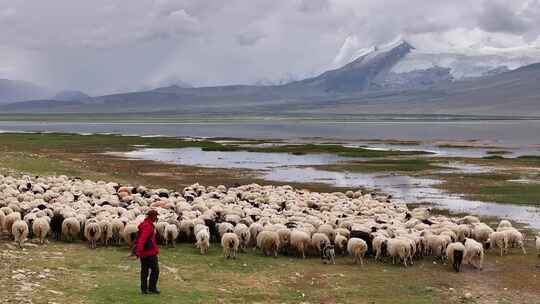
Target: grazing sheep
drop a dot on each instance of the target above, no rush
(318, 240)
(300, 242)
(203, 240)
(171, 234)
(454, 254)
(106, 232)
(10, 220)
(399, 248)
(499, 239)
(230, 243)
(268, 242)
(504, 224)
(254, 230)
(71, 228)
(515, 239)
(130, 234)
(117, 230)
(481, 232)
(41, 228)
(242, 231)
(328, 230)
(357, 248)
(474, 253)
(341, 244)
(284, 240)
(92, 233)
(19, 230)
(380, 247)
(225, 228)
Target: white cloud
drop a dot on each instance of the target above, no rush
(105, 46)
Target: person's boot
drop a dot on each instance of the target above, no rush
(154, 291)
(144, 291)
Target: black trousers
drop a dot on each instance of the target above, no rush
(149, 266)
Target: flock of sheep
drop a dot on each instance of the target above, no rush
(275, 220)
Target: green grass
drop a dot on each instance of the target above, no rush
(384, 165)
(101, 143)
(333, 149)
(105, 275)
(492, 187)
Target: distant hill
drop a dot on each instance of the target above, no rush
(69, 95)
(380, 80)
(17, 90)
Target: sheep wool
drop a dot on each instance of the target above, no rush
(499, 239)
(171, 234)
(230, 243)
(19, 230)
(92, 233)
(474, 253)
(268, 242)
(454, 254)
(203, 240)
(357, 248)
(41, 228)
(71, 228)
(300, 242)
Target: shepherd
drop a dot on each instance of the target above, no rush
(147, 251)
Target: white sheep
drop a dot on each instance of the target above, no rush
(515, 239)
(399, 248)
(380, 248)
(117, 230)
(357, 248)
(474, 253)
(171, 234)
(230, 243)
(92, 233)
(341, 243)
(504, 224)
(454, 254)
(41, 228)
(71, 228)
(268, 242)
(203, 240)
(499, 239)
(300, 241)
(254, 230)
(242, 231)
(106, 231)
(130, 234)
(19, 230)
(10, 220)
(318, 241)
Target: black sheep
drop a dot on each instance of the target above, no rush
(56, 226)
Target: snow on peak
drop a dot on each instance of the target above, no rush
(351, 50)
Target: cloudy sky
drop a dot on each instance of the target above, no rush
(105, 46)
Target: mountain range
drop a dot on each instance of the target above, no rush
(392, 78)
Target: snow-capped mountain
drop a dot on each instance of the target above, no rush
(462, 63)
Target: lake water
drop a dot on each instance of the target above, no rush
(285, 167)
(515, 133)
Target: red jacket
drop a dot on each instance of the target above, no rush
(146, 230)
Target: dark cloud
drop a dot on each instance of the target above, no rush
(501, 16)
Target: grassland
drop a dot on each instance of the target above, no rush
(77, 274)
